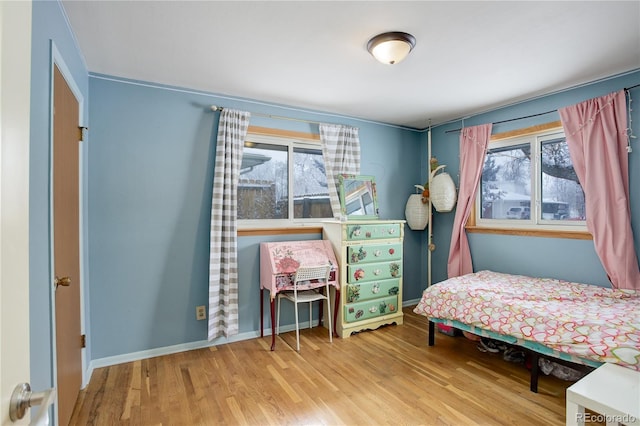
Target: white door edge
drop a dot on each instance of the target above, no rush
(15, 117)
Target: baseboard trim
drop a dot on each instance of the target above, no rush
(183, 347)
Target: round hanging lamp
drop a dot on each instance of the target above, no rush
(392, 47)
(416, 211)
(442, 191)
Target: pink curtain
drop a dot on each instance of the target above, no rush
(596, 132)
(473, 147)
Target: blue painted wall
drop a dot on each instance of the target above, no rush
(560, 258)
(148, 170)
(49, 24)
(150, 174)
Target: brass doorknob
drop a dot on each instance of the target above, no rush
(64, 281)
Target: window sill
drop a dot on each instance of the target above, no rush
(285, 230)
(575, 235)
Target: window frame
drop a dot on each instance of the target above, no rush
(524, 227)
(291, 140)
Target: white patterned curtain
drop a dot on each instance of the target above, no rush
(223, 257)
(341, 154)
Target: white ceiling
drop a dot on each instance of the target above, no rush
(470, 56)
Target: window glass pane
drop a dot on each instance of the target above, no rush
(264, 182)
(506, 183)
(311, 193)
(562, 195)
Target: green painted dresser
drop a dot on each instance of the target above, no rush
(370, 257)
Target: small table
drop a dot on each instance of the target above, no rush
(279, 261)
(611, 391)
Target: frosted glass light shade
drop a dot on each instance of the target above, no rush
(391, 48)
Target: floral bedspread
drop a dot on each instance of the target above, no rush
(584, 320)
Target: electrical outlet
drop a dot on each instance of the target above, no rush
(201, 313)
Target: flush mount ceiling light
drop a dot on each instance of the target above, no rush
(391, 48)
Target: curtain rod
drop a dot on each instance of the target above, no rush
(626, 89)
(279, 117)
(215, 108)
(511, 119)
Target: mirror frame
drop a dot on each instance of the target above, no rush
(370, 183)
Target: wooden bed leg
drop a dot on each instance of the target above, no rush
(535, 371)
(432, 336)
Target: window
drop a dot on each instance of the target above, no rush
(282, 181)
(529, 182)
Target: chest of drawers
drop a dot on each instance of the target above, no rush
(370, 255)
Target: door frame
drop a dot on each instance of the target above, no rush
(58, 61)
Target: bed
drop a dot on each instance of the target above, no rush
(571, 322)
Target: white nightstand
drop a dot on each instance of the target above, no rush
(611, 391)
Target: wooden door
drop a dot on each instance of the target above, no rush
(66, 242)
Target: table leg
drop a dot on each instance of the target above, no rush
(273, 322)
(336, 308)
(261, 312)
(575, 414)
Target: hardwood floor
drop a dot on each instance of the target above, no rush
(387, 376)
